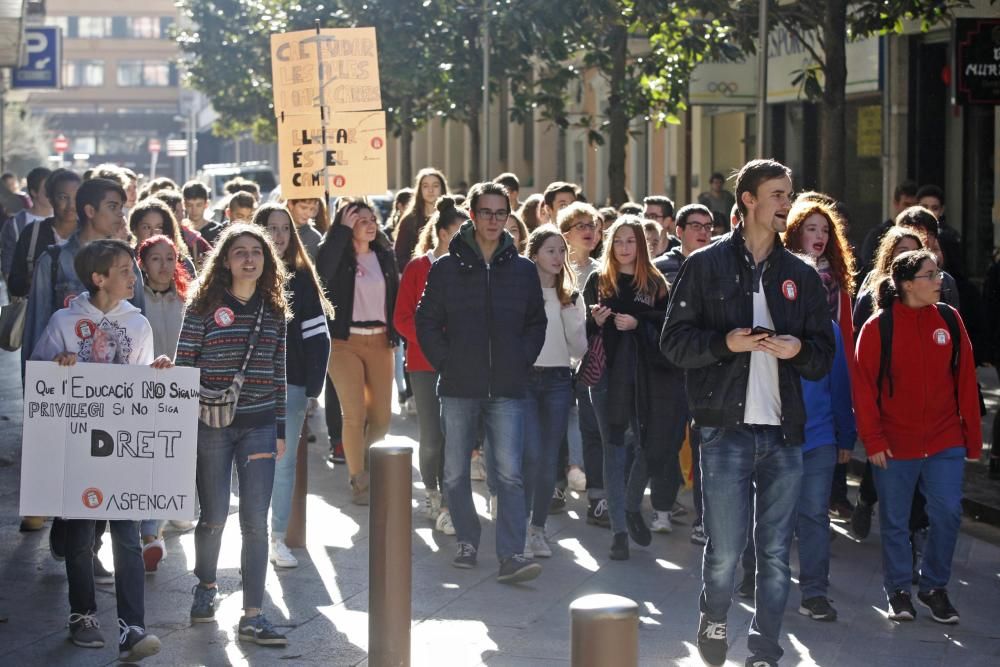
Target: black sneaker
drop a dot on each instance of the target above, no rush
(203, 607)
(558, 502)
(57, 539)
(518, 569)
(861, 520)
(258, 629)
(619, 547)
(698, 535)
(637, 529)
(597, 513)
(101, 574)
(818, 609)
(841, 509)
(748, 586)
(134, 644)
(466, 556)
(937, 601)
(901, 606)
(85, 631)
(712, 644)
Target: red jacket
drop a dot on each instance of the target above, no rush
(411, 288)
(921, 418)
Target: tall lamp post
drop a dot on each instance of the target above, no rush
(762, 80)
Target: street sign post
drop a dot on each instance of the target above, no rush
(61, 146)
(154, 149)
(177, 147)
(42, 61)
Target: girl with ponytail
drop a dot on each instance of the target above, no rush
(433, 243)
(917, 409)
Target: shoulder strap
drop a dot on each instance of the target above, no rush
(31, 248)
(885, 355)
(54, 251)
(956, 341)
(254, 337)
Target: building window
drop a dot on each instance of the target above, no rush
(157, 74)
(143, 27)
(83, 73)
(96, 27)
(59, 22)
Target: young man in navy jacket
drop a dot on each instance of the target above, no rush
(481, 324)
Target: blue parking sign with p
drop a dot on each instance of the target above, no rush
(41, 62)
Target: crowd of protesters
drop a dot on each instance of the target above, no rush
(543, 346)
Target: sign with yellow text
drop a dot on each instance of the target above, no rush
(335, 69)
(351, 148)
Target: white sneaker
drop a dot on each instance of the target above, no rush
(444, 524)
(661, 522)
(432, 505)
(577, 479)
(477, 469)
(281, 555)
(493, 507)
(537, 543)
(182, 525)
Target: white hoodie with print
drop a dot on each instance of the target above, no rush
(120, 336)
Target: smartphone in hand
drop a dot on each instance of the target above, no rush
(762, 330)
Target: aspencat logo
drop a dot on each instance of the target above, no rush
(92, 498)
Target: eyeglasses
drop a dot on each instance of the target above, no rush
(487, 214)
(653, 216)
(700, 227)
(585, 226)
(933, 275)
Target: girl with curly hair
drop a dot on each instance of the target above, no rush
(240, 295)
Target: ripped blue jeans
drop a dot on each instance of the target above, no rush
(218, 449)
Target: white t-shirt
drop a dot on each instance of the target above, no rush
(763, 402)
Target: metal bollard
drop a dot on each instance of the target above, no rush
(295, 534)
(604, 631)
(390, 570)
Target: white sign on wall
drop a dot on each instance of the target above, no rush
(107, 441)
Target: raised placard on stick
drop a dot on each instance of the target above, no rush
(335, 69)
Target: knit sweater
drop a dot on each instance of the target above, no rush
(218, 349)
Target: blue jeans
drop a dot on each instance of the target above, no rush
(546, 414)
(813, 523)
(130, 574)
(284, 470)
(503, 419)
(218, 448)
(615, 455)
(940, 480)
(733, 458)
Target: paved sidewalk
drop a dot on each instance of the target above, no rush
(463, 617)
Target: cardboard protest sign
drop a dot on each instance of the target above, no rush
(350, 146)
(336, 68)
(109, 441)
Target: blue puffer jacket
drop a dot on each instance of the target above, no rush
(829, 410)
(481, 324)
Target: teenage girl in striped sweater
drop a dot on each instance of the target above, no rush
(242, 276)
(308, 352)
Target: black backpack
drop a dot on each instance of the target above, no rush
(885, 337)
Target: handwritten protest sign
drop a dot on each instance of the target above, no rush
(336, 68)
(106, 441)
(351, 147)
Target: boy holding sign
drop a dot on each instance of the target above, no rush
(101, 326)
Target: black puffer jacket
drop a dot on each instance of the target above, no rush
(481, 325)
(712, 296)
(336, 266)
